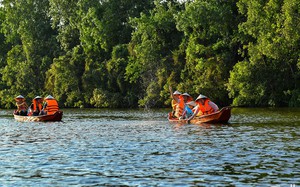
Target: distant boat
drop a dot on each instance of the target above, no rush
(221, 116)
(57, 116)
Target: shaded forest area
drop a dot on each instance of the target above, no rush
(126, 53)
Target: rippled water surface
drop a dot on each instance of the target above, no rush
(259, 147)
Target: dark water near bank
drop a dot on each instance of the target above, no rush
(260, 147)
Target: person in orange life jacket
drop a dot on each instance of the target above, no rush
(189, 108)
(204, 106)
(187, 112)
(21, 106)
(179, 102)
(50, 105)
(36, 105)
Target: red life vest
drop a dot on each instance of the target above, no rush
(206, 108)
(52, 106)
(37, 106)
(189, 99)
(179, 107)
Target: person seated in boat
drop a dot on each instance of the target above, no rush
(181, 101)
(50, 105)
(37, 106)
(204, 106)
(21, 106)
(175, 99)
(187, 99)
(188, 109)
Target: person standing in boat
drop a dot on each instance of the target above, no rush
(21, 106)
(36, 105)
(204, 106)
(50, 105)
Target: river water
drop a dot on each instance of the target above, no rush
(102, 147)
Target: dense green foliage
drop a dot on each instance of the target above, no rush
(126, 53)
(268, 75)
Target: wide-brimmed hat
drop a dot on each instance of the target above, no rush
(49, 97)
(201, 97)
(189, 98)
(20, 97)
(192, 103)
(186, 94)
(38, 97)
(176, 93)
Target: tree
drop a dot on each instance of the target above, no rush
(272, 43)
(64, 19)
(4, 48)
(90, 31)
(209, 41)
(27, 29)
(154, 39)
(64, 79)
(104, 31)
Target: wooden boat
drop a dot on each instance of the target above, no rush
(222, 116)
(57, 116)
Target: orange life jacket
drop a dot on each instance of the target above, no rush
(206, 108)
(179, 107)
(189, 99)
(52, 106)
(37, 106)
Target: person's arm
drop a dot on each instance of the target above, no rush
(44, 106)
(194, 114)
(29, 109)
(171, 92)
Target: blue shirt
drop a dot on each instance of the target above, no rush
(189, 111)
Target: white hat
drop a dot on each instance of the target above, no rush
(38, 97)
(186, 94)
(19, 97)
(49, 97)
(176, 93)
(201, 97)
(191, 103)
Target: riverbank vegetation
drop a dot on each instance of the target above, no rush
(126, 53)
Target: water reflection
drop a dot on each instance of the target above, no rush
(260, 147)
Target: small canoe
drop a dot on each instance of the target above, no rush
(57, 116)
(222, 116)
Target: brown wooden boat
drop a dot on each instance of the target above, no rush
(222, 116)
(57, 116)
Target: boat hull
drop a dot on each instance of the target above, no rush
(57, 116)
(222, 116)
